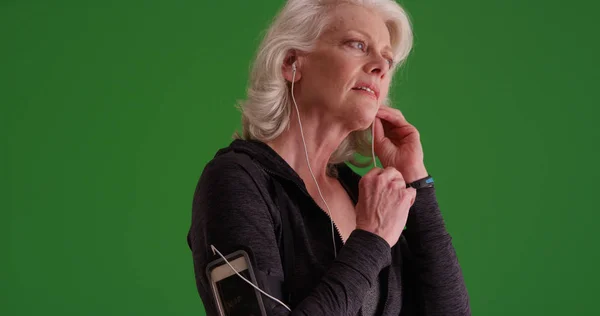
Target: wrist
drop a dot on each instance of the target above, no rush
(415, 174)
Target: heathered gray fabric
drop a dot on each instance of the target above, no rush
(373, 303)
(235, 207)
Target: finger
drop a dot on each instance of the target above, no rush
(390, 174)
(366, 182)
(381, 141)
(412, 193)
(379, 132)
(394, 116)
(401, 182)
(373, 172)
(391, 111)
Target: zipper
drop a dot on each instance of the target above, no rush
(336, 229)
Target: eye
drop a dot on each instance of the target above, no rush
(390, 62)
(358, 45)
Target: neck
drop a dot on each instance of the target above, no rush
(322, 136)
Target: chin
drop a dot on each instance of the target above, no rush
(362, 119)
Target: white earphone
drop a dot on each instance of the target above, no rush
(308, 162)
(372, 125)
(214, 249)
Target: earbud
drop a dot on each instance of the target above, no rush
(294, 67)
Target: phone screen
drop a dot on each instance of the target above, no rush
(237, 296)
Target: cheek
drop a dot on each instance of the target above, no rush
(385, 88)
(336, 76)
(326, 71)
(339, 69)
(335, 65)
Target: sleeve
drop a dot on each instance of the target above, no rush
(230, 212)
(440, 287)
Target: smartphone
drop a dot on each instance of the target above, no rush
(233, 296)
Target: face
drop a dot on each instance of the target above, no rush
(347, 75)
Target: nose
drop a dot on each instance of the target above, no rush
(378, 65)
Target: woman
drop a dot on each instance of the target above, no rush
(320, 80)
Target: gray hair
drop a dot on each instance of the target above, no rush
(266, 112)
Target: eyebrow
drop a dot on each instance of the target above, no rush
(387, 47)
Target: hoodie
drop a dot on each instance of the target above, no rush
(248, 197)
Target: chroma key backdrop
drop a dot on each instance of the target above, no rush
(109, 111)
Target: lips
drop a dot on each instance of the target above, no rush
(367, 88)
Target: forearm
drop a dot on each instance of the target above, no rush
(352, 273)
(440, 283)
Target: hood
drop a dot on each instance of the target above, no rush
(274, 164)
(265, 156)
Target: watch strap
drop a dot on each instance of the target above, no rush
(426, 182)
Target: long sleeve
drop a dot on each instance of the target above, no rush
(231, 212)
(440, 287)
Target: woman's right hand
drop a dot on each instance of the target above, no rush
(383, 203)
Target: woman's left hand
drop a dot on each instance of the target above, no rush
(398, 144)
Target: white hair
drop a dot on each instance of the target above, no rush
(266, 112)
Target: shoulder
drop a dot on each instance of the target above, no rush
(232, 168)
(231, 180)
(232, 186)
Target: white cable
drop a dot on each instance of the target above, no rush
(214, 249)
(308, 163)
(373, 144)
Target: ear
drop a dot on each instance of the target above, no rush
(287, 70)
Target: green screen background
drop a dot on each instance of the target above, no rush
(111, 109)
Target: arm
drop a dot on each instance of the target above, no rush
(440, 287)
(230, 212)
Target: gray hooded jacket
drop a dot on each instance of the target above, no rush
(239, 203)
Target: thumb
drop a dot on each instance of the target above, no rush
(381, 142)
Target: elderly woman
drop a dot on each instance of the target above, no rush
(323, 240)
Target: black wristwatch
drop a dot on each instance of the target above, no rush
(426, 182)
